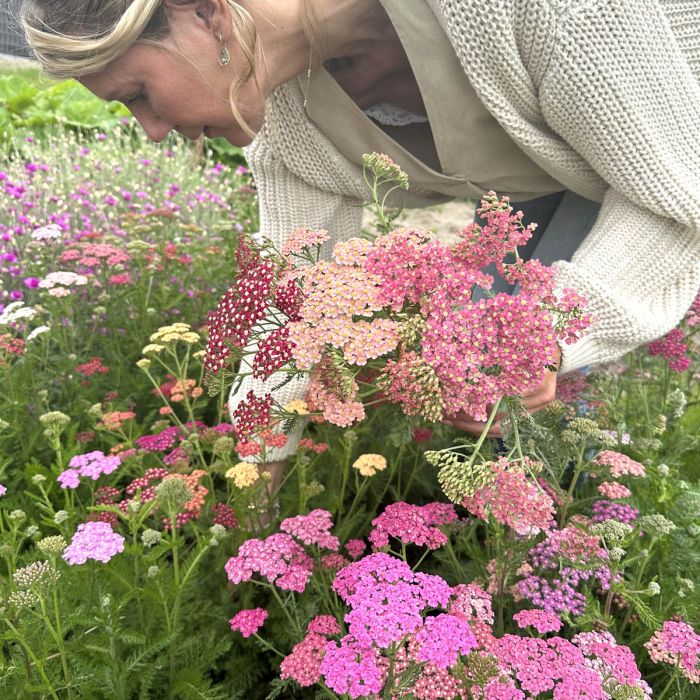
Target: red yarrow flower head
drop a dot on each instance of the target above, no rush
(252, 414)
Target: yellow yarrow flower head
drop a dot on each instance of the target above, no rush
(369, 464)
(297, 406)
(175, 332)
(243, 474)
(153, 349)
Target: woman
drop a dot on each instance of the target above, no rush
(588, 111)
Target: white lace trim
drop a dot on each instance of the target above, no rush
(389, 114)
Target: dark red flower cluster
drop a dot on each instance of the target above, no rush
(238, 311)
(224, 515)
(274, 352)
(252, 414)
(673, 348)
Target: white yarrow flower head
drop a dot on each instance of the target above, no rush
(63, 278)
(47, 233)
(39, 330)
(16, 311)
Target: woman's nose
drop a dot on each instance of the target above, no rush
(156, 128)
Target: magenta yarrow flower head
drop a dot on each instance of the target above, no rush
(677, 643)
(248, 622)
(279, 559)
(542, 621)
(386, 598)
(3, 490)
(619, 464)
(412, 524)
(443, 638)
(69, 479)
(93, 540)
(353, 667)
(609, 510)
(512, 499)
(313, 528)
(673, 348)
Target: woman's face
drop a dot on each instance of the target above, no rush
(180, 85)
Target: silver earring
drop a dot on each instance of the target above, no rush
(224, 54)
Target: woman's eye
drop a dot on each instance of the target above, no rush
(134, 98)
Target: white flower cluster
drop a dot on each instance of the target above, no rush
(58, 283)
(16, 311)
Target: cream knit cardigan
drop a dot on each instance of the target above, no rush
(604, 95)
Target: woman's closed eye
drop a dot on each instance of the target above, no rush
(140, 95)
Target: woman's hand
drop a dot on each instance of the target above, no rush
(533, 401)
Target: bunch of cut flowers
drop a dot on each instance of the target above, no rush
(392, 317)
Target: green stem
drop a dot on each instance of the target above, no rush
(34, 659)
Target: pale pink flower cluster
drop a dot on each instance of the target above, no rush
(410, 524)
(513, 499)
(333, 295)
(677, 643)
(614, 490)
(301, 238)
(93, 540)
(279, 559)
(619, 464)
(313, 528)
(91, 465)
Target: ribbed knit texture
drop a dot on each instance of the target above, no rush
(604, 96)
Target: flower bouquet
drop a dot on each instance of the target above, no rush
(391, 317)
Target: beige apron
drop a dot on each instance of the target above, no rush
(473, 154)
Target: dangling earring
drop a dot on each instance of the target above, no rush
(308, 79)
(224, 54)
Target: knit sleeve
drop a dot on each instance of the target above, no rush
(287, 202)
(620, 90)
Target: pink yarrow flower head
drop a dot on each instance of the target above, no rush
(93, 540)
(69, 479)
(558, 666)
(248, 622)
(677, 643)
(324, 624)
(279, 559)
(542, 621)
(619, 464)
(613, 490)
(95, 464)
(302, 238)
(412, 524)
(355, 548)
(443, 638)
(471, 602)
(304, 663)
(313, 528)
(3, 490)
(386, 598)
(512, 499)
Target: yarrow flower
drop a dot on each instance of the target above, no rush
(512, 499)
(542, 621)
(248, 622)
(313, 528)
(412, 524)
(369, 464)
(619, 464)
(443, 638)
(677, 643)
(279, 559)
(613, 490)
(93, 540)
(243, 474)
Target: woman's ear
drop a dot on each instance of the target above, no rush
(209, 12)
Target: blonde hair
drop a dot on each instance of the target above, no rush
(82, 37)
